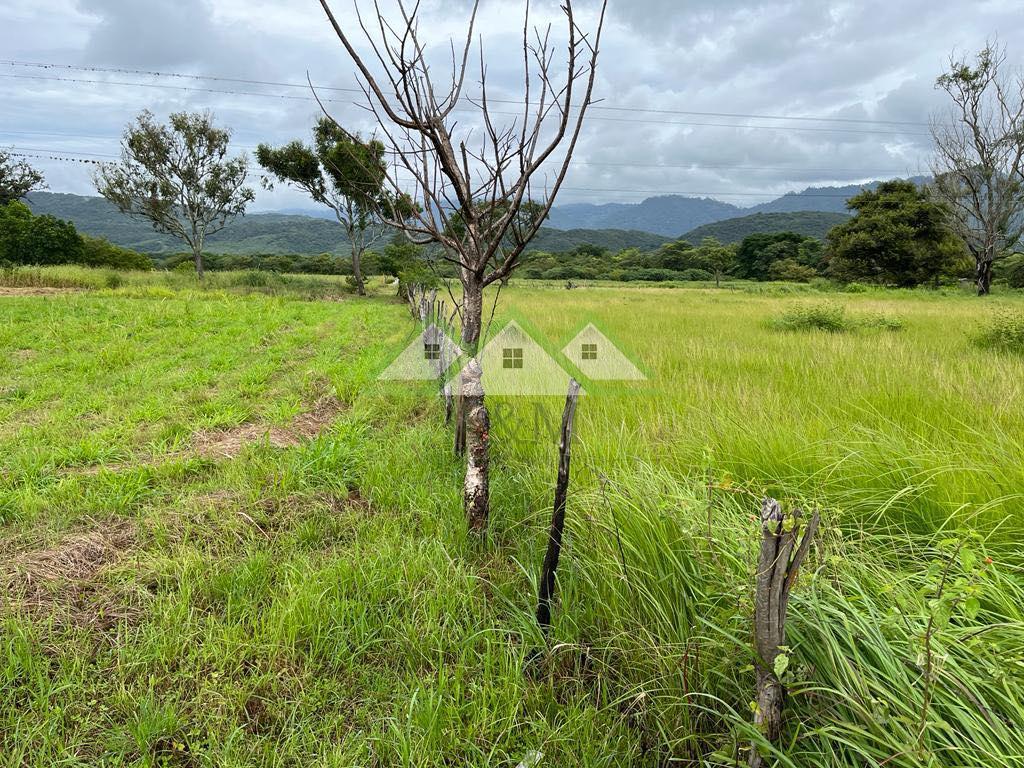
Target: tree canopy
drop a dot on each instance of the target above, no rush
(344, 173)
(178, 177)
(899, 236)
(17, 178)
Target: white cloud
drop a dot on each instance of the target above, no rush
(866, 60)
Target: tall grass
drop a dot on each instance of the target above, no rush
(322, 605)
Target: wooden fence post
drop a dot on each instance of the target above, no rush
(546, 587)
(778, 563)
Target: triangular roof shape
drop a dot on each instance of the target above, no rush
(514, 364)
(598, 359)
(426, 358)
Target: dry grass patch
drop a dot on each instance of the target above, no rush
(63, 581)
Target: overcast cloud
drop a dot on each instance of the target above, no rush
(859, 61)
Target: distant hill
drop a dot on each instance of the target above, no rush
(668, 215)
(829, 199)
(277, 233)
(557, 240)
(672, 215)
(809, 223)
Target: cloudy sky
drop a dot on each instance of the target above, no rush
(734, 99)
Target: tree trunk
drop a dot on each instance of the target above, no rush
(197, 256)
(984, 275)
(546, 588)
(472, 322)
(476, 490)
(357, 272)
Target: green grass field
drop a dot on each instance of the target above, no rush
(223, 542)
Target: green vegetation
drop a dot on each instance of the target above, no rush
(29, 239)
(178, 178)
(831, 317)
(1004, 331)
(814, 224)
(899, 236)
(217, 551)
(279, 234)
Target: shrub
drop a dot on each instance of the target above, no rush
(826, 316)
(855, 288)
(883, 322)
(98, 252)
(1004, 331)
(791, 270)
(1012, 268)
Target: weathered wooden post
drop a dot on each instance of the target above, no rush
(546, 587)
(476, 490)
(777, 567)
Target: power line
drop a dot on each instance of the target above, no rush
(40, 154)
(645, 121)
(337, 89)
(693, 165)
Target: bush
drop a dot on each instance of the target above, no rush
(791, 271)
(98, 252)
(855, 288)
(883, 322)
(1004, 331)
(1012, 268)
(826, 316)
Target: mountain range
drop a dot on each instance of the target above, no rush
(674, 215)
(644, 225)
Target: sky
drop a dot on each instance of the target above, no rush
(732, 99)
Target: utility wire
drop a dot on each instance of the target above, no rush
(646, 121)
(42, 154)
(596, 106)
(694, 165)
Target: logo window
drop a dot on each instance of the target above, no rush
(512, 357)
(589, 352)
(431, 351)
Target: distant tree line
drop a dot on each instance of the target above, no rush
(29, 239)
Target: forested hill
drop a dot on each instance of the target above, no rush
(275, 233)
(673, 215)
(809, 223)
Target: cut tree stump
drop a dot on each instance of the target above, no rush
(777, 567)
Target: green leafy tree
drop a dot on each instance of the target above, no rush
(898, 236)
(756, 253)
(28, 239)
(17, 178)
(791, 271)
(178, 177)
(344, 173)
(718, 258)
(406, 262)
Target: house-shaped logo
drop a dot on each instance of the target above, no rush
(512, 363)
(426, 358)
(598, 359)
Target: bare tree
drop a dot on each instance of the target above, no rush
(481, 198)
(178, 177)
(472, 197)
(979, 156)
